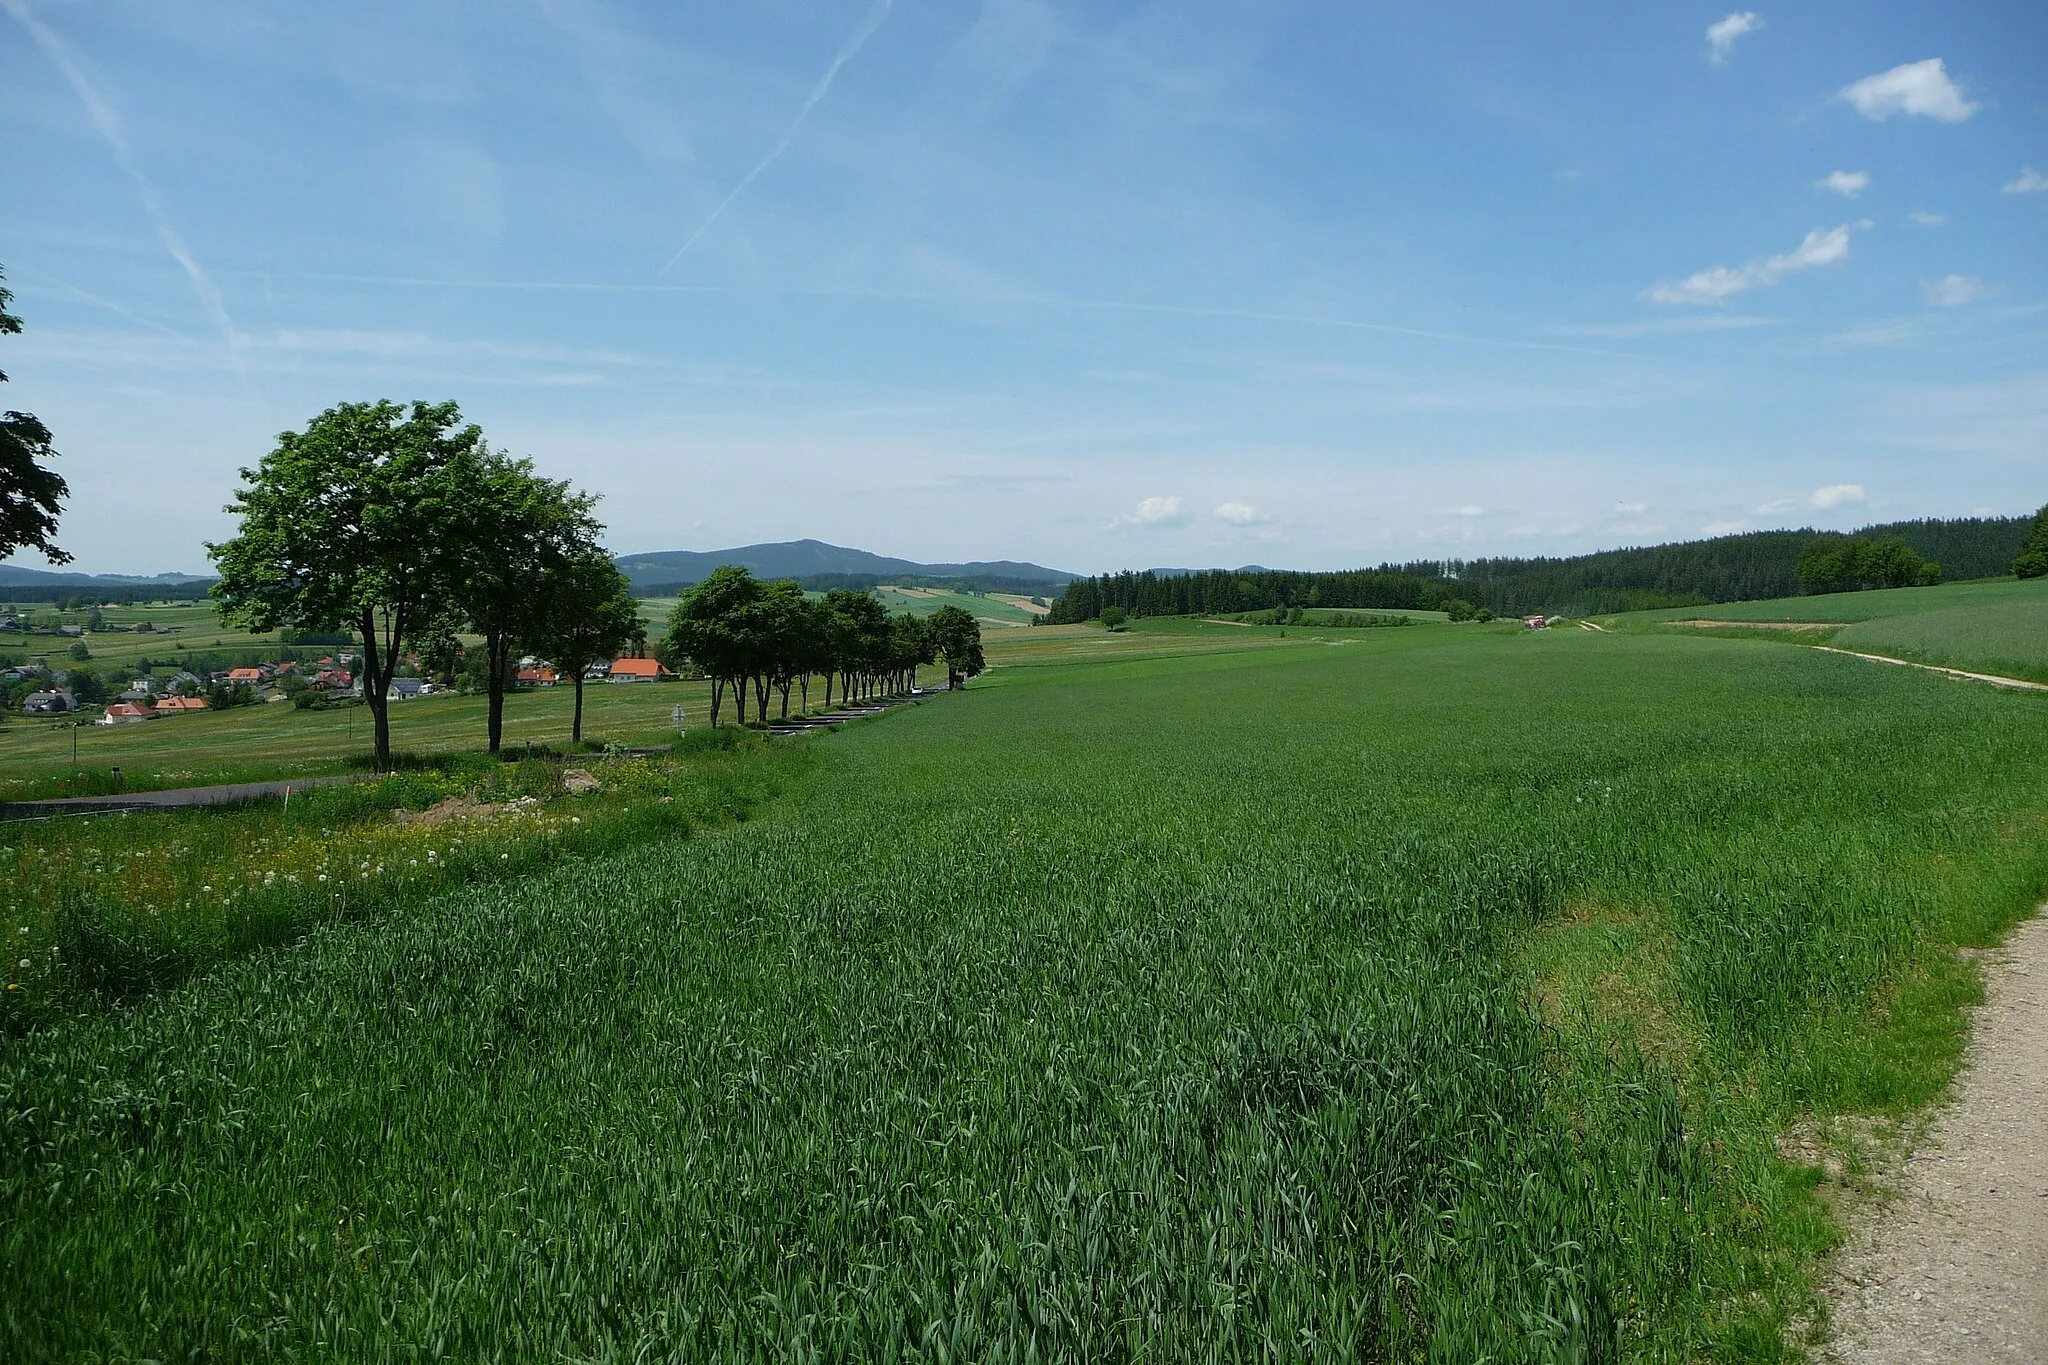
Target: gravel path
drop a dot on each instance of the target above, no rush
(1956, 1269)
(160, 800)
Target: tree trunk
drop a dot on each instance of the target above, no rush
(375, 691)
(804, 683)
(828, 689)
(761, 695)
(783, 686)
(576, 725)
(739, 699)
(497, 645)
(717, 695)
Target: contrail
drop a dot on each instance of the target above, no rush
(852, 45)
(1305, 320)
(107, 120)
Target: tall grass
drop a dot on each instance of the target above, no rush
(1181, 1009)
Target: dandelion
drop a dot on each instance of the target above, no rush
(24, 962)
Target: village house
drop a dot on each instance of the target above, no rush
(171, 706)
(637, 670)
(127, 713)
(536, 677)
(46, 704)
(405, 689)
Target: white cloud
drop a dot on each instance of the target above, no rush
(1925, 219)
(1723, 528)
(1914, 88)
(1239, 514)
(1722, 33)
(2028, 181)
(1155, 512)
(1632, 508)
(1952, 290)
(1777, 508)
(1468, 510)
(1848, 184)
(1823, 246)
(1837, 495)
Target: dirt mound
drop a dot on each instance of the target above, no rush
(448, 809)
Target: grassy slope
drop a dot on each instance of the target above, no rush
(990, 610)
(1998, 626)
(276, 740)
(1153, 994)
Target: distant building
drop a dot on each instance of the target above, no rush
(127, 713)
(537, 677)
(247, 677)
(637, 670)
(405, 689)
(1535, 622)
(600, 669)
(46, 704)
(171, 706)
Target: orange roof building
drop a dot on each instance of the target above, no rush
(638, 670)
(173, 705)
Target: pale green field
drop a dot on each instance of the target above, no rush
(1843, 608)
(992, 609)
(277, 740)
(1991, 626)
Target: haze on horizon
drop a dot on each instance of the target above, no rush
(1091, 285)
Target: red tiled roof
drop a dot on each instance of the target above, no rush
(636, 668)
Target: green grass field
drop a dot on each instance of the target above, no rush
(1998, 626)
(275, 740)
(1185, 993)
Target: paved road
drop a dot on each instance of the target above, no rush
(164, 800)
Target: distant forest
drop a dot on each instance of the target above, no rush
(1749, 567)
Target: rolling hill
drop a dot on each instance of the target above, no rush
(810, 559)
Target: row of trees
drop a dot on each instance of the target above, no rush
(740, 632)
(1837, 563)
(402, 525)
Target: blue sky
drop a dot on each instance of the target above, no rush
(1098, 285)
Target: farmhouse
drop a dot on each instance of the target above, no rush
(638, 670)
(405, 689)
(171, 706)
(537, 677)
(46, 704)
(127, 713)
(250, 677)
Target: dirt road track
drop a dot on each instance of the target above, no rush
(1956, 1269)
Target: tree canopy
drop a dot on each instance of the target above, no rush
(2032, 560)
(31, 493)
(742, 632)
(586, 613)
(360, 520)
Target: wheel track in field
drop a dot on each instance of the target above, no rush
(1955, 1267)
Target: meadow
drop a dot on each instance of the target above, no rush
(276, 740)
(1424, 994)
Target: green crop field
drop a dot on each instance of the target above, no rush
(2009, 638)
(1192, 992)
(1843, 608)
(991, 609)
(1996, 626)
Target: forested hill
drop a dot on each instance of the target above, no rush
(810, 560)
(1752, 566)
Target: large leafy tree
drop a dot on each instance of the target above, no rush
(956, 637)
(358, 521)
(586, 612)
(2032, 560)
(31, 493)
(517, 528)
